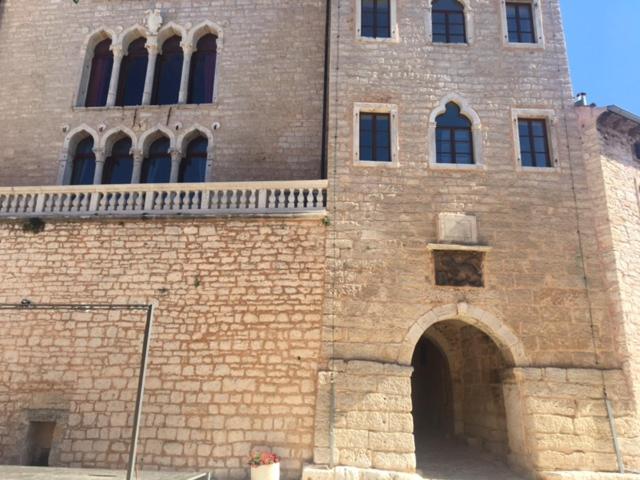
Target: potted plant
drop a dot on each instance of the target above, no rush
(264, 466)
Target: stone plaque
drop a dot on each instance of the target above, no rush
(457, 228)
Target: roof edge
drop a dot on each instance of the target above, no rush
(624, 113)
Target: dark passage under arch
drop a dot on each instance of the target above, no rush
(431, 392)
(457, 395)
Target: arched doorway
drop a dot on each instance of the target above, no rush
(457, 395)
(431, 393)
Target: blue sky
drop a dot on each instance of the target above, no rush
(604, 50)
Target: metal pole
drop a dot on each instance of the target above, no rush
(133, 450)
(614, 433)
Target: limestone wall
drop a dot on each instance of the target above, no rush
(235, 350)
(614, 172)
(372, 418)
(383, 218)
(566, 425)
(270, 74)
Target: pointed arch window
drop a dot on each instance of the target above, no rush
(100, 76)
(166, 86)
(448, 22)
(118, 168)
(84, 163)
(454, 137)
(194, 166)
(156, 168)
(133, 72)
(203, 70)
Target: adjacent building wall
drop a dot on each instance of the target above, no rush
(235, 346)
(614, 173)
(269, 103)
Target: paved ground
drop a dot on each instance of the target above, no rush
(449, 460)
(33, 473)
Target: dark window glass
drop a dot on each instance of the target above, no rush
(133, 72)
(203, 70)
(375, 137)
(84, 163)
(100, 76)
(156, 168)
(454, 139)
(194, 165)
(119, 166)
(636, 149)
(448, 22)
(520, 23)
(376, 18)
(534, 143)
(166, 86)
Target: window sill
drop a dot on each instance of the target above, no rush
(379, 40)
(523, 46)
(451, 45)
(538, 169)
(457, 167)
(369, 163)
(180, 106)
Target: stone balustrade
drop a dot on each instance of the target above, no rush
(239, 198)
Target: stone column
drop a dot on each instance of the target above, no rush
(520, 451)
(208, 174)
(115, 75)
(100, 159)
(138, 158)
(64, 172)
(152, 48)
(176, 157)
(187, 51)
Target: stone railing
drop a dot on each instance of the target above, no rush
(283, 197)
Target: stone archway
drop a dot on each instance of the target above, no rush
(509, 344)
(477, 352)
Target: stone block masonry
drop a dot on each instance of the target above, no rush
(234, 354)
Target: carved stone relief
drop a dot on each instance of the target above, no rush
(459, 269)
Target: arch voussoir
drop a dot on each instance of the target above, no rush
(508, 342)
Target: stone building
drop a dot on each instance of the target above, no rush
(370, 227)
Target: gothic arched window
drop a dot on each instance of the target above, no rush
(448, 22)
(194, 166)
(100, 76)
(118, 168)
(133, 72)
(166, 86)
(203, 70)
(84, 163)
(454, 138)
(156, 168)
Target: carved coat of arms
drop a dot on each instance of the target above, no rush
(153, 21)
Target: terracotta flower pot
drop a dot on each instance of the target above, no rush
(266, 472)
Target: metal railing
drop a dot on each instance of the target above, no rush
(281, 197)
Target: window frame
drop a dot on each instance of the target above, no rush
(549, 118)
(538, 33)
(87, 156)
(161, 60)
(379, 108)
(468, 25)
(191, 73)
(123, 85)
(393, 24)
(476, 140)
